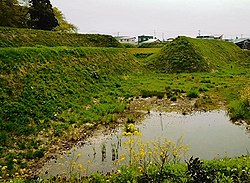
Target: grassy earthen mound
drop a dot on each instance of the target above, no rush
(196, 55)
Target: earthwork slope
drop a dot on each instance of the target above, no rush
(12, 37)
(197, 55)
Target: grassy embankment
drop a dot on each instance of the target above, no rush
(11, 37)
(46, 92)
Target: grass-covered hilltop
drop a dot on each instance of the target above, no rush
(57, 88)
(197, 55)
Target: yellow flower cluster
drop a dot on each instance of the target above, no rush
(131, 130)
(163, 151)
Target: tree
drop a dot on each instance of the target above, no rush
(42, 15)
(64, 25)
(12, 14)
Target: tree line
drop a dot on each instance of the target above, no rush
(35, 14)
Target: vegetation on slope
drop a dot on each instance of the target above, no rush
(47, 92)
(12, 37)
(49, 89)
(220, 54)
(196, 55)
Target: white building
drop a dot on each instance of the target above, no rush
(126, 39)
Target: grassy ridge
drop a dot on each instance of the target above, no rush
(11, 37)
(37, 82)
(197, 55)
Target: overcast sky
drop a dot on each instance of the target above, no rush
(168, 17)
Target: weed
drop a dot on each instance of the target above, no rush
(239, 109)
(193, 94)
(173, 98)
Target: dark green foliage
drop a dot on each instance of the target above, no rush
(41, 15)
(197, 172)
(11, 37)
(3, 138)
(152, 45)
(12, 14)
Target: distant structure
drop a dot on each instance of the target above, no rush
(243, 43)
(126, 39)
(144, 38)
(220, 37)
(155, 40)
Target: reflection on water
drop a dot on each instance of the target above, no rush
(209, 135)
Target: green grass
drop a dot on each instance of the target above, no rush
(49, 91)
(13, 37)
(223, 170)
(197, 55)
(152, 45)
(37, 83)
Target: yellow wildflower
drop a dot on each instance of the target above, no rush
(136, 133)
(4, 168)
(79, 166)
(124, 133)
(129, 134)
(118, 172)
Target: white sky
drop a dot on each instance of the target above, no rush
(171, 17)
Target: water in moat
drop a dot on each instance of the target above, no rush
(209, 135)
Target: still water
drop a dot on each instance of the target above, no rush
(209, 135)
